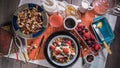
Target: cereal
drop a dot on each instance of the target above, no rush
(29, 21)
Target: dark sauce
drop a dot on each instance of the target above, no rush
(90, 58)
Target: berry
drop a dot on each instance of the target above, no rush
(79, 25)
(66, 50)
(92, 37)
(97, 47)
(87, 35)
(89, 42)
(84, 31)
(52, 47)
(69, 43)
(57, 52)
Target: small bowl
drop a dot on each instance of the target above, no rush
(89, 58)
(30, 6)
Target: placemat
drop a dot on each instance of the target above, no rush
(86, 18)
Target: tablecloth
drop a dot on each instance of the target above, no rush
(100, 60)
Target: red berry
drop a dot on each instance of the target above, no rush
(66, 50)
(89, 42)
(52, 47)
(93, 37)
(69, 43)
(97, 47)
(84, 31)
(87, 35)
(57, 52)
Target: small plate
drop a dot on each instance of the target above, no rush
(105, 30)
(50, 40)
(29, 6)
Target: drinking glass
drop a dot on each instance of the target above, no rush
(107, 6)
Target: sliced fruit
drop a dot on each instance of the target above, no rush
(52, 47)
(69, 43)
(57, 52)
(66, 50)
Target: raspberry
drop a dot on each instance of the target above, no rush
(97, 47)
(87, 35)
(92, 37)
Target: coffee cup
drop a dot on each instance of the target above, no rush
(85, 6)
(70, 22)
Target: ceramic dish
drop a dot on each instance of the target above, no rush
(61, 49)
(25, 22)
(105, 30)
(88, 38)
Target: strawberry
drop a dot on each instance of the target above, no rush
(69, 42)
(97, 47)
(57, 52)
(66, 50)
(52, 47)
(87, 35)
(57, 41)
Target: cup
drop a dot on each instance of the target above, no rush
(89, 58)
(56, 20)
(85, 6)
(70, 22)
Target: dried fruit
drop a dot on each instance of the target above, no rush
(52, 47)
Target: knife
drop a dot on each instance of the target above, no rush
(36, 54)
(102, 38)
